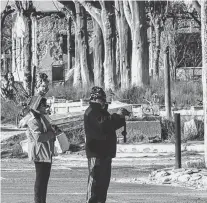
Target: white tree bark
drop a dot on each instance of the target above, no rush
(83, 44)
(204, 70)
(104, 17)
(98, 53)
(135, 15)
(123, 42)
(109, 46)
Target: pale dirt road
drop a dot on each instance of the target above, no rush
(69, 179)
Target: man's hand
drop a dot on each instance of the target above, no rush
(123, 112)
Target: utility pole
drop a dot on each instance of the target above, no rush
(167, 83)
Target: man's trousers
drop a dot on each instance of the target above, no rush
(41, 182)
(98, 179)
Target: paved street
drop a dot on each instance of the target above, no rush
(68, 184)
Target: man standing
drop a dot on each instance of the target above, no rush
(100, 128)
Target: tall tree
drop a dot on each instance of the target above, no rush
(27, 9)
(104, 15)
(98, 54)
(83, 47)
(136, 18)
(201, 8)
(157, 13)
(124, 45)
(82, 72)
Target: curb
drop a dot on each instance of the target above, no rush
(158, 148)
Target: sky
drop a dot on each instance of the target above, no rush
(41, 5)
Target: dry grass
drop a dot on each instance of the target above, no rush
(184, 94)
(198, 163)
(69, 93)
(9, 111)
(11, 148)
(168, 131)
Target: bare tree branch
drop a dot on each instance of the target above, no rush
(19, 5)
(127, 13)
(196, 5)
(101, 3)
(94, 12)
(70, 8)
(195, 18)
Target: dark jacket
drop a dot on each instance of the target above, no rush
(100, 129)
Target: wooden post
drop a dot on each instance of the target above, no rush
(167, 83)
(177, 141)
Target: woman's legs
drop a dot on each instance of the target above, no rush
(41, 182)
(47, 169)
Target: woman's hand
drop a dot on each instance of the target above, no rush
(56, 130)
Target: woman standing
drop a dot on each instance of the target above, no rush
(41, 137)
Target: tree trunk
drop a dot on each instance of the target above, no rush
(109, 45)
(28, 55)
(123, 33)
(83, 48)
(105, 18)
(69, 44)
(118, 68)
(140, 50)
(204, 70)
(98, 54)
(135, 16)
(157, 47)
(151, 50)
(77, 71)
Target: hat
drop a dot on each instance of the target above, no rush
(97, 93)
